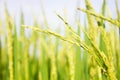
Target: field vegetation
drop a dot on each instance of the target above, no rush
(90, 52)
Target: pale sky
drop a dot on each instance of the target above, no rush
(32, 7)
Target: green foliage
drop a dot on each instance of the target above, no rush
(48, 55)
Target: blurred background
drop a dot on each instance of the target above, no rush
(29, 55)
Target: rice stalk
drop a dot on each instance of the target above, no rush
(91, 21)
(1, 73)
(99, 73)
(10, 45)
(75, 35)
(103, 57)
(53, 75)
(40, 76)
(52, 33)
(93, 34)
(15, 51)
(115, 22)
(44, 58)
(21, 49)
(62, 65)
(71, 60)
(26, 62)
(93, 69)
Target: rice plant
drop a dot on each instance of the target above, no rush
(48, 55)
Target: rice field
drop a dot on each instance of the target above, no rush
(90, 52)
